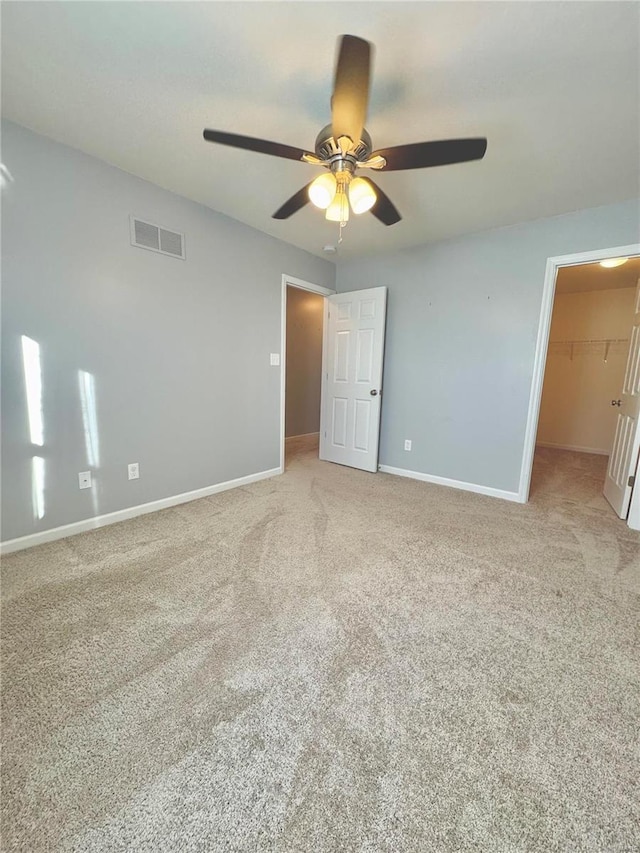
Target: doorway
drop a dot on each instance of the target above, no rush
(302, 346)
(348, 409)
(584, 347)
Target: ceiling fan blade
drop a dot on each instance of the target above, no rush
(419, 155)
(293, 204)
(351, 88)
(250, 143)
(384, 209)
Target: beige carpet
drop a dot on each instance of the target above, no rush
(330, 661)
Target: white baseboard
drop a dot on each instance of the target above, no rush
(454, 484)
(302, 435)
(130, 512)
(574, 447)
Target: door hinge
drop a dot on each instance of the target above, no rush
(632, 481)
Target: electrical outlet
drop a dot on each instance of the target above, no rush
(407, 444)
(274, 359)
(134, 470)
(84, 479)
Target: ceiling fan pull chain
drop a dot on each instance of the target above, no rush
(340, 227)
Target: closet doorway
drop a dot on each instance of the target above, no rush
(582, 438)
(303, 328)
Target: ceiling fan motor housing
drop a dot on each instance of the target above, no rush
(328, 150)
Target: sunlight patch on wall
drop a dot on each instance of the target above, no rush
(37, 486)
(5, 176)
(33, 385)
(86, 384)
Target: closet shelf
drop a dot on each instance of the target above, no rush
(587, 345)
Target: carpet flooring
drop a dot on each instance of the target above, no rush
(330, 661)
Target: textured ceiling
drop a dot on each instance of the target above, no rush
(594, 277)
(553, 86)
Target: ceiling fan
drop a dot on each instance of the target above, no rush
(344, 146)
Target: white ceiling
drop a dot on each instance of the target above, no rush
(594, 277)
(553, 86)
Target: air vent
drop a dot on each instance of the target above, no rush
(146, 235)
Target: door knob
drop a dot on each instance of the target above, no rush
(373, 393)
(616, 402)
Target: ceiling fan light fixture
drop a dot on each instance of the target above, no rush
(362, 196)
(613, 262)
(338, 210)
(322, 191)
(344, 145)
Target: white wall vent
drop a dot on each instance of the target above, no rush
(146, 235)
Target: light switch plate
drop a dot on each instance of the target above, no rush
(275, 359)
(84, 479)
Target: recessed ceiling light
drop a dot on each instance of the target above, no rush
(613, 262)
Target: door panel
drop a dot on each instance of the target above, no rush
(362, 425)
(367, 309)
(632, 372)
(624, 453)
(339, 431)
(350, 420)
(364, 359)
(341, 366)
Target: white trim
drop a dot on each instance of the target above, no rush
(573, 447)
(324, 376)
(130, 512)
(544, 325)
(633, 518)
(301, 285)
(306, 285)
(454, 484)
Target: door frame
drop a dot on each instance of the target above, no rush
(291, 281)
(542, 343)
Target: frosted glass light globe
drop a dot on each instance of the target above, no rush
(338, 210)
(361, 195)
(322, 191)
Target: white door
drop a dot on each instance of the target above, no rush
(352, 378)
(624, 454)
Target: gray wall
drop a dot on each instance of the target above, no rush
(304, 361)
(461, 334)
(179, 349)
